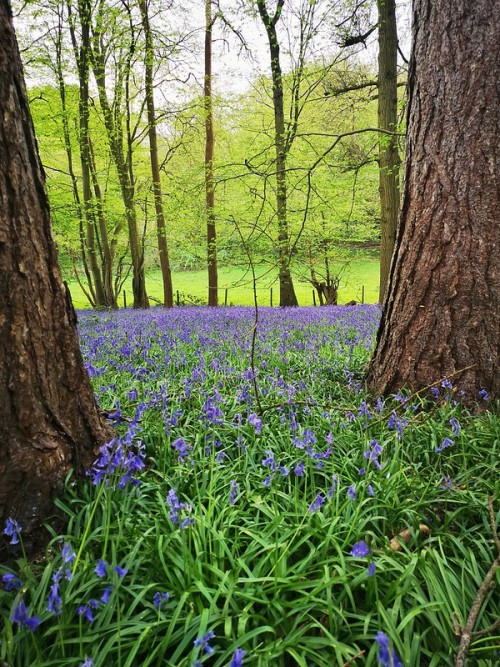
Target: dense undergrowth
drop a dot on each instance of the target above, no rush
(216, 531)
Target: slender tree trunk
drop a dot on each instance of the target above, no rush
(209, 162)
(168, 299)
(287, 291)
(442, 313)
(389, 159)
(126, 183)
(83, 61)
(49, 419)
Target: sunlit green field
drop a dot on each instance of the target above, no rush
(235, 286)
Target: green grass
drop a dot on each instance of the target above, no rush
(238, 282)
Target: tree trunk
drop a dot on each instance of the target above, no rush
(83, 60)
(209, 163)
(389, 159)
(441, 317)
(168, 298)
(287, 291)
(49, 418)
(127, 187)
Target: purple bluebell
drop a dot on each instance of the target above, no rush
(373, 453)
(203, 642)
(360, 550)
(447, 483)
(455, 426)
(255, 421)
(11, 582)
(20, 615)
(67, 553)
(88, 662)
(182, 448)
(386, 656)
(120, 571)
(188, 521)
(233, 492)
(351, 492)
(13, 530)
(87, 610)
(105, 597)
(371, 569)
(101, 567)
(447, 442)
(299, 469)
(484, 394)
(54, 603)
(317, 503)
(160, 598)
(237, 659)
(370, 491)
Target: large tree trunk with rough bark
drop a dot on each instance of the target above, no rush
(389, 159)
(49, 419)
(442, 314)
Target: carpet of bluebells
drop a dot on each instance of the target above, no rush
(257, 509)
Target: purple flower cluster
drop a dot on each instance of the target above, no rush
(177, 509)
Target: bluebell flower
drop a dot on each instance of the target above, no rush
(67, 553)
(182, 448)
(188, 521)
(371, 569)
(455, 426)
(237, 659)
(159, 599)
(447, 442)
(88, 662)
(101, 567)
(105, 597)
(360, 549)
(11, 582)
(120, 571)
(13, 530)
(299, 469)
(386, 656)
(447, 483)
(318, 502)
(86, 610)
(333, 487)
(20, 615)
(203, 642)
(234, 492)
(484, 394)
(54, 603)
(370, 490)
(267, 481)
(351, 492)
(255, 421)
(373, 453)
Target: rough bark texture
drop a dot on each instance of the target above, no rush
(287, 290)
(161, 228)
(49, 419)
(389, 159)
(213, 280)
(442, 312)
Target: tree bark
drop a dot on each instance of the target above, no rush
(213, 282)
(287, 290)
(389, 159)
(442, 312)
(49, 419)
(161, 228)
